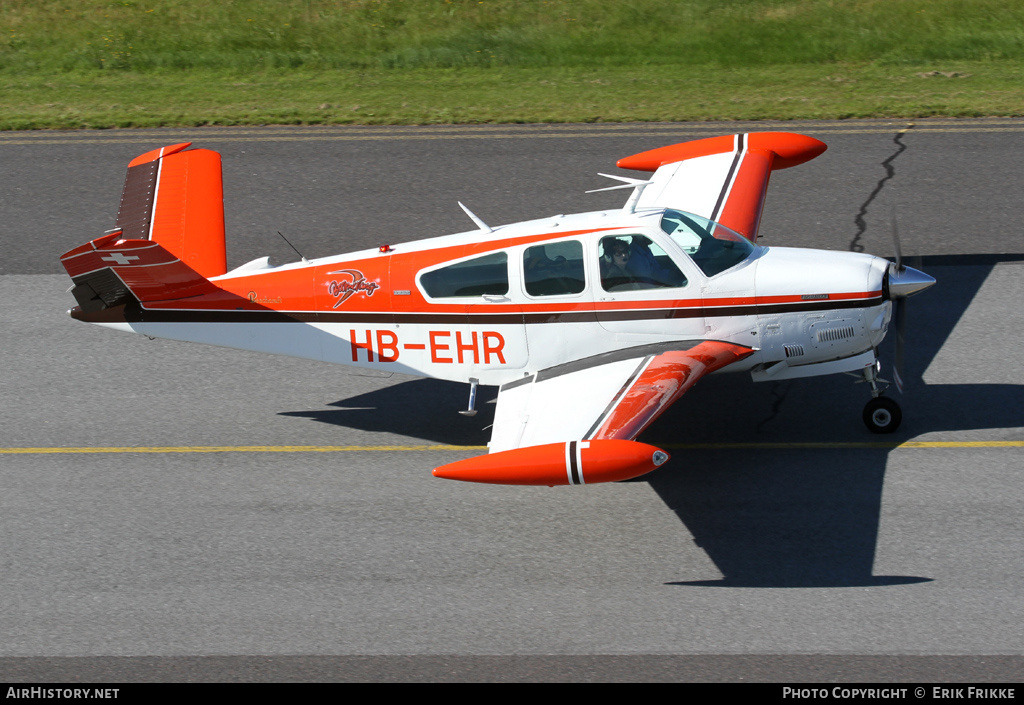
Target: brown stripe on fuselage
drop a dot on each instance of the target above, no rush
(138, 314)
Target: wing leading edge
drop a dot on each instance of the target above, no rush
(575, 423)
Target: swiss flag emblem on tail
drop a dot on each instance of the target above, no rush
(111, 271)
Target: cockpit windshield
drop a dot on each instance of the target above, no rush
(712, 246)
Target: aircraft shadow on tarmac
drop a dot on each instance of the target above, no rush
(794, 516)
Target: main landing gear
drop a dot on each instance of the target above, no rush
(881, 414)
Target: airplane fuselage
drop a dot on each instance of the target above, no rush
(498, 306)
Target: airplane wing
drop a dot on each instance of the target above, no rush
(723, 179)
(575, 423)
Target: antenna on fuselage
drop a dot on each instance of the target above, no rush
(484, 227)
(306, 261)
(638, 186)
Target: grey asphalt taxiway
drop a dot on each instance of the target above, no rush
(180, 512)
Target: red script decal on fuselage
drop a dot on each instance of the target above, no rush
(343, 289)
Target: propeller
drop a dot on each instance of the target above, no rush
(899, 314)
(899, 322)
(903, 281)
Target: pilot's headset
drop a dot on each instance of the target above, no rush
(607, 247)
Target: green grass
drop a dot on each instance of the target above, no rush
(105, 63)
(426, 96)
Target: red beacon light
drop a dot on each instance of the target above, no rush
(383, 249)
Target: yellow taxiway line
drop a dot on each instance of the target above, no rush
(437, 447)
(232, 449)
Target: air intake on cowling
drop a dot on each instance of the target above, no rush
(832, 334)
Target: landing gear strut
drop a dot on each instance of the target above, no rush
(881, 414)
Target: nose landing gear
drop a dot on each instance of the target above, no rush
(881, 414)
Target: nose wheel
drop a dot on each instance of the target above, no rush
(882, 415)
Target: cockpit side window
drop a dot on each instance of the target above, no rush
(554, 268)
(472, 277)
(632, 262)
(712, 246)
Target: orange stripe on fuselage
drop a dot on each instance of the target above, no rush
(308, 289)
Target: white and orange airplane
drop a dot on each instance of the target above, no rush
(591, 325)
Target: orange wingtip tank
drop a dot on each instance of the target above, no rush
(788, 149)
(571, 463)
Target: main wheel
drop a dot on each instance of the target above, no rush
(882, 415)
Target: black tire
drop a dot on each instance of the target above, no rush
(882, 415)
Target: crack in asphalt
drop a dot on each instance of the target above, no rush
(779, 390)
(778, 393)
(890, 172)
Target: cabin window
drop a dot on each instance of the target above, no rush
(471, 277)
(631, 262)
(554, 268)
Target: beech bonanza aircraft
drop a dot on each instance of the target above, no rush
(591, 325)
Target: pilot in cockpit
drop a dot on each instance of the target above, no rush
(615, 263)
